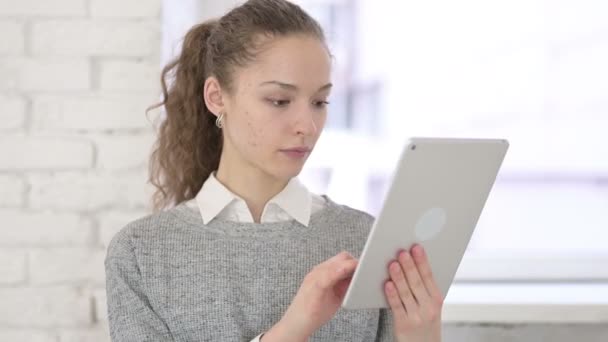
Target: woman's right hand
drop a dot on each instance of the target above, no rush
(318, 298)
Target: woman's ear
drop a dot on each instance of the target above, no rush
(212, 93)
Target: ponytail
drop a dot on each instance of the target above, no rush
(189, 144)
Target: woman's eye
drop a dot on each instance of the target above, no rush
(279, 103)
(321, 104)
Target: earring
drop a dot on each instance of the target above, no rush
(219, 121)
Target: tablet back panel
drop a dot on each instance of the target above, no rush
(435, 199)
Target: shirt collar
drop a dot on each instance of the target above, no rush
(294, 199)
(213, 198)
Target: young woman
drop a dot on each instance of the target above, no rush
(241, 250)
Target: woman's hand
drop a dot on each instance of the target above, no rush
(318, 298)
(415, 299)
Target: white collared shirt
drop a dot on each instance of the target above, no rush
(214, 200)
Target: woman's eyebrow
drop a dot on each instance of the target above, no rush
(326, 87)
(292, 87)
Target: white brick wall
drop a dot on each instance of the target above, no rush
(13, 112)
(29, 228)
(13, 191)
(28, 336)
(129, 75)
(98, 334)
(76, 77)
(44, 74)
(125, 8)
(101, 308)
(94, 38)
(88, 191)
(75, 266)
(103, 112)
(45, 307)
(27, 152)
(12, 268)
(125, 151)
(36, 8)
(14, 42)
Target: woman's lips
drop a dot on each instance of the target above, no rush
(296, 152)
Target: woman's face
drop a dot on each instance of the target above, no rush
(277, 108)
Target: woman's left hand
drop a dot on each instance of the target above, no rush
(415, 299)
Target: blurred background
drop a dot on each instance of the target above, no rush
(77, 75)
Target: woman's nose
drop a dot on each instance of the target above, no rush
(305, 124)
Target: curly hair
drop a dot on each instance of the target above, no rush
(189, 145)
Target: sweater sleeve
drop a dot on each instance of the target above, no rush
(385, 326)
(130, 315)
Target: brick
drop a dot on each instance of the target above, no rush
(55, 307)
(92, 113)
(13, 191)
(111, 222)
(28, 228)
(43, 8)
(130, 75)
(12, 36)
(12, 267)
(27, 336)
(120, 152)
(67, 266)
(13, 112)
(98, 334)
(101, 306)
(90, 191)
(52, 75)
(95, 38)
(125, 8)
(26, 152)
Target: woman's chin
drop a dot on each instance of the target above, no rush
(288, 171)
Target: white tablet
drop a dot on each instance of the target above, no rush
(435, 199)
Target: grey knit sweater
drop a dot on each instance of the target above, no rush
(169, 277)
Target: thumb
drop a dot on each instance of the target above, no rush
(342, 286)
(344, 270)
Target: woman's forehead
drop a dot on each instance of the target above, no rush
(297, 60)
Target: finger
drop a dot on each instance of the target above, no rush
(338, 271)
(403, 288)
(340, 261)
(394, 302)
(426, 273)
(342, 256)
(341, 287)
(413, 277)
(336, 259)
(345, 268)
